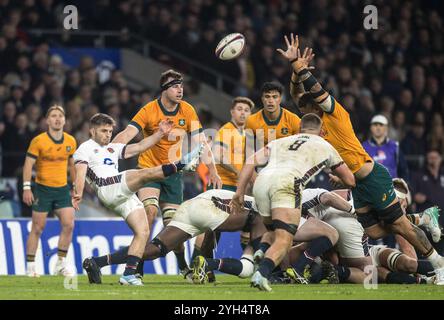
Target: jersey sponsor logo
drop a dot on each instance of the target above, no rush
(68, 148)
(284, 131)
(59, 148)
(111, 150)
(108, 161)
(182, 122)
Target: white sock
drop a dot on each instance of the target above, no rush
(436, 260)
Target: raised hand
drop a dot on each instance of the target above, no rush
(292, 48)
(304, 60)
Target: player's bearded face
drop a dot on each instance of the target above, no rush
(175, 93)
(56, 120)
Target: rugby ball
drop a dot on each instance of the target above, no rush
(230, 47)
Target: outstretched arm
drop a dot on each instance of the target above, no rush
(126, 135)
(208, 160)
(291, 54)
(165, 126)
(333, 200)
(302, 80)
(342, 176)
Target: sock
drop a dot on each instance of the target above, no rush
(180, 256)
(139, 269)
(230, 266)
(400, 278)
(212, 264)
(196, 252)
(118, 257)
(169, 169)
(418, 219)
(30, 258)
(102, 260)
(315, 248)
(435, 259)
(266, 267)
(62, 254)
(424, 267)
(343, 273)
(131, 265)
(413, 218)
(264, 246)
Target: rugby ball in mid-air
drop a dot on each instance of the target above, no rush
(230, 47)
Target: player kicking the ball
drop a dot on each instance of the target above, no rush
(97, 161)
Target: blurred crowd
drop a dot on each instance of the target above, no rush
(396, 70)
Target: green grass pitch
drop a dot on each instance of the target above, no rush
(227, 287)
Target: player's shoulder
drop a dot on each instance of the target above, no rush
(186, 106)
(150, 105)
(69, 138)
(40, 137)
(254, 119)
(287, 113)
(227, 126)
(86, 144)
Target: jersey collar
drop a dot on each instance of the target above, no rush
(272, 122)
(240, 130)
(54, 140)
(165, 111)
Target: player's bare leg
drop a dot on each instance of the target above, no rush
(138, 223)
(168, 211)
(37, 227)
(66, 218)
(150, 200)
(285, 223)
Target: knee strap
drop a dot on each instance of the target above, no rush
(289, 227)
(392, 259)
(152, 201)
(159, 244)
(168, 213)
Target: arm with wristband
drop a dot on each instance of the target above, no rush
(28, 197)
(302, 80)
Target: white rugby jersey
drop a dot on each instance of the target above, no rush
(301, 155)
(311, 204)
(102, 161)
(223, 197)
